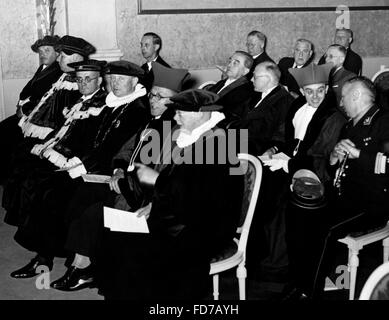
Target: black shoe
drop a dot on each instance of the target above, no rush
(30, 269)
(75, 279)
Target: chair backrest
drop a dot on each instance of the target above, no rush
(252, 184)
(377, 285)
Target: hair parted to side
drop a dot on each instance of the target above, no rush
(156, 39)
(349, 31)
(259, 35)
(248, 59)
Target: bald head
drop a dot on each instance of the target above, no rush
(358, 96)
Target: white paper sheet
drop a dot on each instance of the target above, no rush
(95, 178)
(124, 221)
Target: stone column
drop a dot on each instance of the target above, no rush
(95, 21)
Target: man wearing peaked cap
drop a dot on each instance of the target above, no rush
(89, 65)
(125, 68)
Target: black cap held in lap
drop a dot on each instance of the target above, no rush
(125, 68)
(70, 45)
(195, 100)
(88, 65)
(50, 41)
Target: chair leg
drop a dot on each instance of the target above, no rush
(353, 265)
(215, 279)
(241, 274)
(385, 244)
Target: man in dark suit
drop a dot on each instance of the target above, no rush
(265, 120)
(336, 55)
(302, 56)
(236, 90)
(352, 62)
(256, 46)
(151, 45)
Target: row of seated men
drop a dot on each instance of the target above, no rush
(78, 126)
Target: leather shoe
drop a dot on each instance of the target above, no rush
(75, 279)
(30, 269)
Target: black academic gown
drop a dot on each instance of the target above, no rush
(194, 214)
(10, 133)
(115, 128)
(266, 122)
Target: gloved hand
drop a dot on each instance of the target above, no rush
(276, 164)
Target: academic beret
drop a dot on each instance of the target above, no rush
(88, 65)
(51, 41)
(195, 100)
(125, 68)
(71, 45)
(169, 78)
(311, 74)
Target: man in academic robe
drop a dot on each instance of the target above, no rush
(124, 114)
(193, 215)
(124, 186)
(47, 73)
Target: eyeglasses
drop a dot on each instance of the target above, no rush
(156, 96)
(86, 79)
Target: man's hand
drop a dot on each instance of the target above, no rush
(144, 211)
(276, 164)
(145, 174)
(342, 148)
(269, 152)
(114, 180)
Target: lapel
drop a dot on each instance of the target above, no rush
(237, 83)
(268, 100)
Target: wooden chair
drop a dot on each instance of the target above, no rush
(377, 285)
(235, 256)
(356, 243)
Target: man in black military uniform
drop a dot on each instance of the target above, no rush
(360, 199)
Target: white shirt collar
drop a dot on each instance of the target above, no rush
(149, 62)
(186, 138)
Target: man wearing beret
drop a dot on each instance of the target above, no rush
(47, 73)
(194, 213)
(151, 45)
(124, 113)
(128, 193)
(47, 115)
